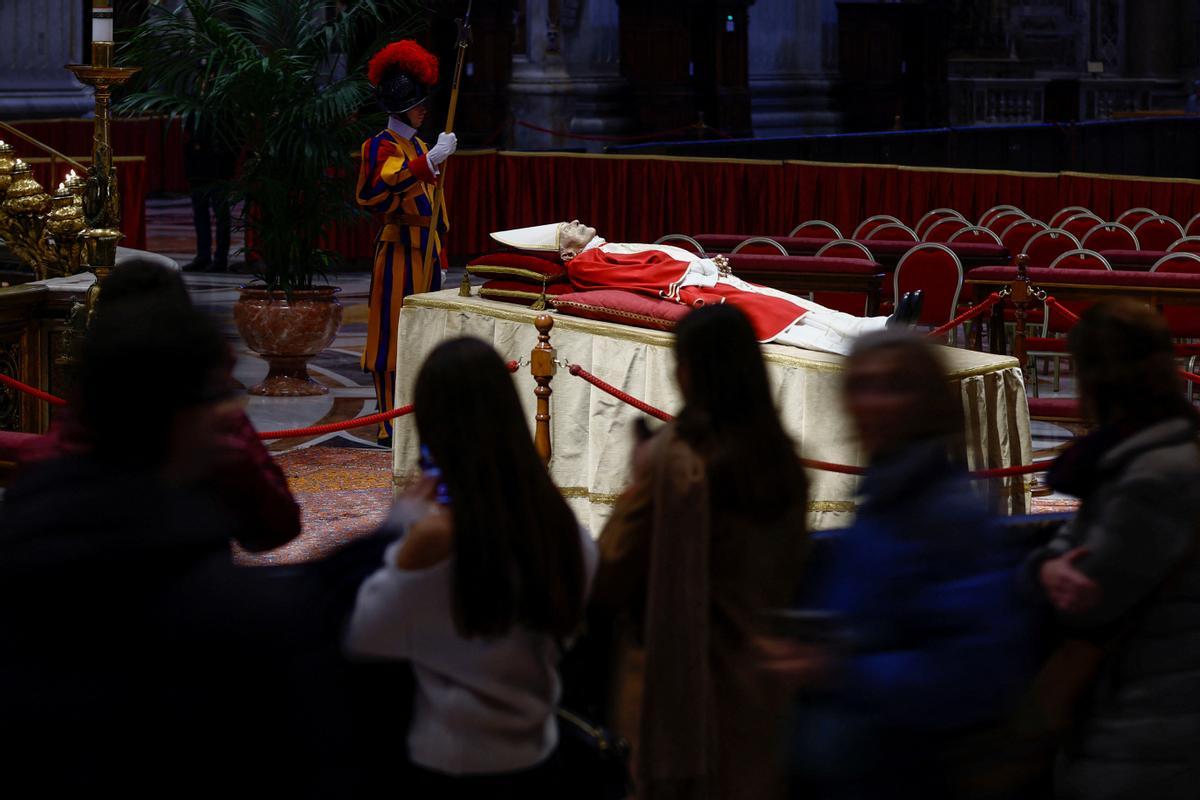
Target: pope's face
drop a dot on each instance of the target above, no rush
(573, 237)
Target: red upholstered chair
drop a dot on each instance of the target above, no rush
(1016, 235)
(891, 232)
(1080, 259)
(1079, 224)
(845, 248)
(934, 269)
(1183, 321)
(1110, 236)
(760, 245)
(1193, 226)
(681, 240)
(850, 302)
(1133, 216)
(1177, 262)
(816, 229)
(933, 216)
(1188, 244)
(871, 223)
(1045, 246)
(999, 223)
(942, 229)
(975, 235)
(986, 217)
(1158, 232)
(1064, 214)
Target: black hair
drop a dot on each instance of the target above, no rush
(517, 553)
(730, 419)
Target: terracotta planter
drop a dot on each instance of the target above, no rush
(288, 334)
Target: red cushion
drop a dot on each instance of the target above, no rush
(1186, 349)
(755, 262)
(521, 292)
(1132, 259)
(626, 308)
(1054, 408)
(1048, 344)
(546, 268)
(1165, 280)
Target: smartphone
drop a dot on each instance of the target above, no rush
(431, 470)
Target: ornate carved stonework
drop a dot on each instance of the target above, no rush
(10, 404)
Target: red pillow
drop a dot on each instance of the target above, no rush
(627, 308)
(521, 292)
(519, 267)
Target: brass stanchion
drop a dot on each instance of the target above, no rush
(543, 364)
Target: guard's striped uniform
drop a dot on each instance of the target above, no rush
(395, 180)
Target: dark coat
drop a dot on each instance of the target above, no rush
(1139, 736)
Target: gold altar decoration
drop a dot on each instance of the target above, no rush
(42, 231)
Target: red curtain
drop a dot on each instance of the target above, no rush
(131, 182)
(157, 139)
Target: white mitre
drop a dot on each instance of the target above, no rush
(537, 237)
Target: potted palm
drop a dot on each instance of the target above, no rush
(282, 82)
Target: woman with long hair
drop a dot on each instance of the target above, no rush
(710, 534)
(1124, 574)
(488, 581)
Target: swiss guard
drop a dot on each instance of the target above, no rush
(396, 179)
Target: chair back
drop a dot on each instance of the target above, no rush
(1158, 232)
(1178, 262)
(933, 216)
(1045, 246)
(1182, 321)
(934, 269)
(1110, 236)
(1193, 226)
(892, 232)
(681, 240)
(1019, 233)
(1188, 244)
(1062, 215)
(941, 230)
(1133, 216)
(993, 211)
(975, 235)
(759, 245)
(816, 229)
(845, 248)
(871, 223)
(1079, 224)
(998, 223)
(1080, 259)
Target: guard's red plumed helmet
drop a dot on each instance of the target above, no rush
(406, 56)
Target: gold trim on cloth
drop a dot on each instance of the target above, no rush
(533, 295)
(517, 272)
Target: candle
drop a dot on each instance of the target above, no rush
(102, 21)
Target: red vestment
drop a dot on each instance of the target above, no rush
(656, 273)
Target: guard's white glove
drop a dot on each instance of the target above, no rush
(447, 143)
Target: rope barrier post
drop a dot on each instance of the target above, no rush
(543, 363)
(1021, 293)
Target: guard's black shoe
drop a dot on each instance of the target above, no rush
(220, 265)
(198, 265)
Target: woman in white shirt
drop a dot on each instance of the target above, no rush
(490, 576)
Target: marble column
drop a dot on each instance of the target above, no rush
(791, 52)
(37, 39)
(569, 77)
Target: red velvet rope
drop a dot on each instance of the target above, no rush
(1070, 315)
(969, 314)
(31, 390)
(824, 466)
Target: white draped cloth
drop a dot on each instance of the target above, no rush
(592, 432)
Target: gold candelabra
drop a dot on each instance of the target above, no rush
(42, 231)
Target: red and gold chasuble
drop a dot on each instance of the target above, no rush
(661, 273)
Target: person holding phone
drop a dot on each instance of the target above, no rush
(485, 586)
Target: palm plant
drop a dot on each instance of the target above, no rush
(282, 83)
